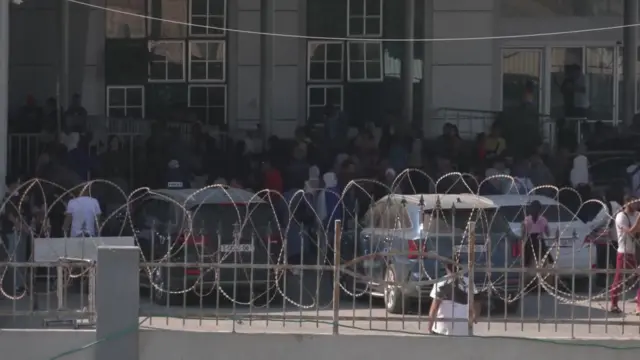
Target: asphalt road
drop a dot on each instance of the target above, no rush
(538, 316)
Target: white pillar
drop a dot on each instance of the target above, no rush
(407, 64)
(4, 90)
(630, 41)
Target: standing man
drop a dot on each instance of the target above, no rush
(15, 230)
(82, 215)
(627, 227)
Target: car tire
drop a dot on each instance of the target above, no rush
(394, 300)
(160, 294)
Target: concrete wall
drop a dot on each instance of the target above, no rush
(174, 345)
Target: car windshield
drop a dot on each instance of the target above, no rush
(455, 222)
(215, 218)
(553, 213)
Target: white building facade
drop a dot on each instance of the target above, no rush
(129, 66)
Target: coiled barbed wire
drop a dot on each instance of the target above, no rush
(245, 220)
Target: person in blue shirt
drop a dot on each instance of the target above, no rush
(177, 178)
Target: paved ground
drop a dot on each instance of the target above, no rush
(543, 316)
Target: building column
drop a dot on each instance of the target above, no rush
(64, 52)
(267, 11)
(4, 91)
(407, 68)
(629, 58)
(427, 62)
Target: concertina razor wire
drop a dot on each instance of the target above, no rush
(212, 262)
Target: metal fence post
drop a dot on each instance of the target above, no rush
(337, 236)
(117, 303)
(471, 266)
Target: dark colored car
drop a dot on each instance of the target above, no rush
(212, 226)
(402, 225)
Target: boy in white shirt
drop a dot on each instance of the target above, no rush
(450, 301)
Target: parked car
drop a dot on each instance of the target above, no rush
(209, 226)
(569, 241)
(402, 225)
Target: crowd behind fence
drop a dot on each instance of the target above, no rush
(220, 257)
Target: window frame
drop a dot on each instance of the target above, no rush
(325, 87)
(207, 61)
(325, 61)
(364, 18)
(190, 16)
(365, 62)
(184, 64)
(125, 107)
(226, 97)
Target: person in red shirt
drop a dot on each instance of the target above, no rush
(272, 177)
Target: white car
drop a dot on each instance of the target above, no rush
(572, 249)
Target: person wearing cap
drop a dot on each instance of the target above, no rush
(451, 313)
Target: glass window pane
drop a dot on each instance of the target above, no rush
(327, 18)
(199, 25)
(215, 51)
(317, 51)
(373, 51)
(373, 70)
(198, 96)
(215, 71)
(199, 7)
(334, 71)
(157, 71)
(567, 79)
(599, 76)
(216, 7)
(215, 25)
(334, 97)
(356, 7)
(175, 12)
(199, 71)
(356, 26)
(373, 7)
(198, 50)
(621, 82)
(134, 97)
(316, 96)
(372, 26)
(520, 77)
(216, 96)
(116, 97)
(200, 114)
(357, 70)
(175, 71)
(334, 52)
(126, 62)
(316, 71)
(356, 51)
(123, 26)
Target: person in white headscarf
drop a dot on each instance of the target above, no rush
(580, 171)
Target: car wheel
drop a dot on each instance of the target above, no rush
(394, 300)
(159, 292)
